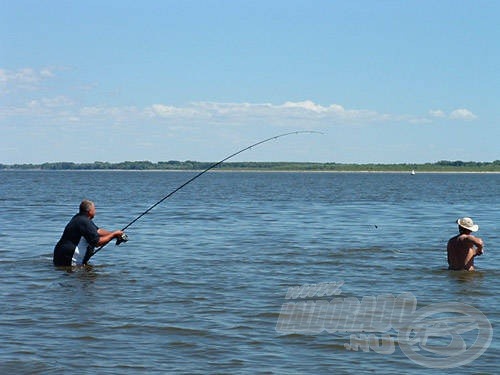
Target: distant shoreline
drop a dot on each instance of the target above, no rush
(244, 171)
(186, 166)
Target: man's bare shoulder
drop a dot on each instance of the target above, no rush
(455, 239)
(465, 240)
(469, 237)
(464, 237)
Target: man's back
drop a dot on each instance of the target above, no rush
(461, 252)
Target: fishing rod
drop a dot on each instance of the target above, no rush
(124, 238)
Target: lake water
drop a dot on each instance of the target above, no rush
(200, 287)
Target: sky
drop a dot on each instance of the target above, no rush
(384, 81)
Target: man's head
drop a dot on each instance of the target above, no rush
(87, 207)
(466, 225)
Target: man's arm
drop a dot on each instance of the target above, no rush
(103, 232)
(477, 243)
(105, 236)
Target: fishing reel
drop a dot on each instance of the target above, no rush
(121, 239)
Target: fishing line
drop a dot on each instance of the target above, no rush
(200, 174)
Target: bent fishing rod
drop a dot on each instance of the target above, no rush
(124, 238)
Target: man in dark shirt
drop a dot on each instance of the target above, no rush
(80, 237)
(464, 247)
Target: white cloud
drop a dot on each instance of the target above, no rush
(437, 113)
(58, 101)
(306, 114)
(25, 75)
(303, 111)
(462, 114)
(46, 73)
(457, 114)
(24, 78)
(307, 106)
(163, 110)
(166, 111)
(104, 114)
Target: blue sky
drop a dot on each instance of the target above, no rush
(385, 81)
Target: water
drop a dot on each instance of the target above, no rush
(201, 283)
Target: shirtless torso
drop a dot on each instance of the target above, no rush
(461, 251)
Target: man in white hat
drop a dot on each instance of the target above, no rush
(464, 246)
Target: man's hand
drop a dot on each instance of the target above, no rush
(122, 238)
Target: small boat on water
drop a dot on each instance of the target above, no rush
(412, 172)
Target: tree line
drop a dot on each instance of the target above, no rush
(440, 166)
